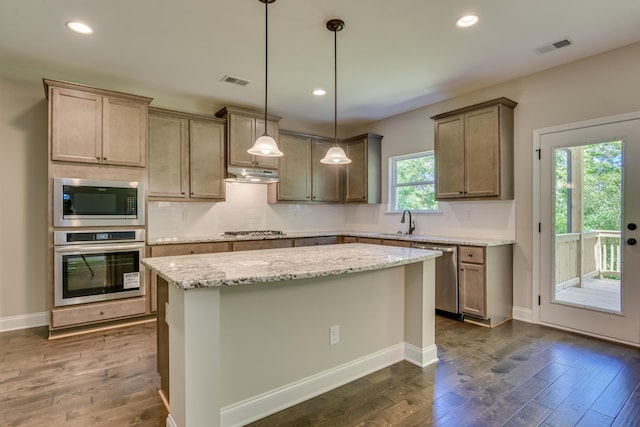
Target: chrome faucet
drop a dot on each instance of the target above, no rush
(412, 224)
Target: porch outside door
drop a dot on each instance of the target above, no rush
(582, 266)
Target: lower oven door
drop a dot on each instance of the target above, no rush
(97, 272)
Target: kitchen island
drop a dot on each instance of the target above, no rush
(253, 332)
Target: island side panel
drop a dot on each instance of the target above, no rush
(274, 334)
(194, 357)
(419, 319)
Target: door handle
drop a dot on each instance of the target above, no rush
(631, 241)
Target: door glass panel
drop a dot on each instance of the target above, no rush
(587, 223)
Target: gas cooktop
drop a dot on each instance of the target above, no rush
(257, 233)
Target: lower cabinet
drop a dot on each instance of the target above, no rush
(486, 283)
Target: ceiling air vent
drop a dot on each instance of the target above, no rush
(554, 46)
(235, 80)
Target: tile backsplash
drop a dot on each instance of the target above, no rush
(246, 208)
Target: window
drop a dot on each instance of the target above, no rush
(412, 182)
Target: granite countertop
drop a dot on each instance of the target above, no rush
(300, 234)
(273, 265)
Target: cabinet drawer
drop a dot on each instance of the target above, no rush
(369, 240)
(261, 244)
(98, 312)
(188, 249)
(472, 254)
(314, 241)
(398, 243)
(349, 239)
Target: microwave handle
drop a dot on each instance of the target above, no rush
(97, 248)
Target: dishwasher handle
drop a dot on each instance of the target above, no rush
(435, 248)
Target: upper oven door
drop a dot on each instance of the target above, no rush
(87, 202)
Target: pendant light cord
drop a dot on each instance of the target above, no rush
(335, 87)
(266, 61)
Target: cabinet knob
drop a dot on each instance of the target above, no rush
(104, 158)
(470, 255)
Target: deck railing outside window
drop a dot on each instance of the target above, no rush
(601, 256)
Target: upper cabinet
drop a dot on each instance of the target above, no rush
(186, 156)
(243, 128)
(363, 180)
(302, 177)
(473, 150)
(90, 125)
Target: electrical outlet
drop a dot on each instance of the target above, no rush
(334, 335)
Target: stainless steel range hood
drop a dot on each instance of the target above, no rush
(252, 175)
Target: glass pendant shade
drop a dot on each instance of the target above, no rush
(265, 146)
(335, 156)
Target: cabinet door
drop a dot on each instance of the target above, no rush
(242, 135)
(449, 157)
(294, 168)
(76, 126)
(326, 178)
(272, 130)
(472, 289)
(482, 150)
(168, 169)
(124, 132)
(356, 190)
(206, 157)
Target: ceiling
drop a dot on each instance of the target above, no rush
(393, 56)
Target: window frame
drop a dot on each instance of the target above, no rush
(393, 184)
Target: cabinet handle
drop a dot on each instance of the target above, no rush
(102, 313)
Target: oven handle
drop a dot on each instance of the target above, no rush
(98, 248)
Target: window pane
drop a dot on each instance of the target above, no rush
(416, 197)
(415, 170)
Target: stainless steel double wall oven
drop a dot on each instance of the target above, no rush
(99, 240)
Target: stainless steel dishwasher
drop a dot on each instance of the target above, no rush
(446, 278)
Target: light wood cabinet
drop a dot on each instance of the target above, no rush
(97, 312)
(363, 175)
(473, 149)
(315, 241)
(91, 125)
(186, 156)
(188, 249)
(250, 245)
(302, 177)
(486, 283)
(397, 243)
(243, 128)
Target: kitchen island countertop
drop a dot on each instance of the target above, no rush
(416, 238)
(273, 265)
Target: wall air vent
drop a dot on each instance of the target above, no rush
(554, 46)
(235, 80)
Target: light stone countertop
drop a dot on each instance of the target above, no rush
(300, 234)
(273, 265)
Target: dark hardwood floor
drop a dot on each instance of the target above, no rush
(517, 374)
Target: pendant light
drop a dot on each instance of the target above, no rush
(335, 155)
(265, 145)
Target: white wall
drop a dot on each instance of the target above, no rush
(602, 85)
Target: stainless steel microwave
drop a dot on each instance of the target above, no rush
(89, 202)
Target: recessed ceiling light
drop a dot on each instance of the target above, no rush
(467, 21)
(79, 27)
(319, 92)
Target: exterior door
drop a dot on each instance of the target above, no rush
(589, 211)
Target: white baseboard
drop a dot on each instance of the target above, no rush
(420, 357)
(24, 321)
(522, 313)
(260, 406)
